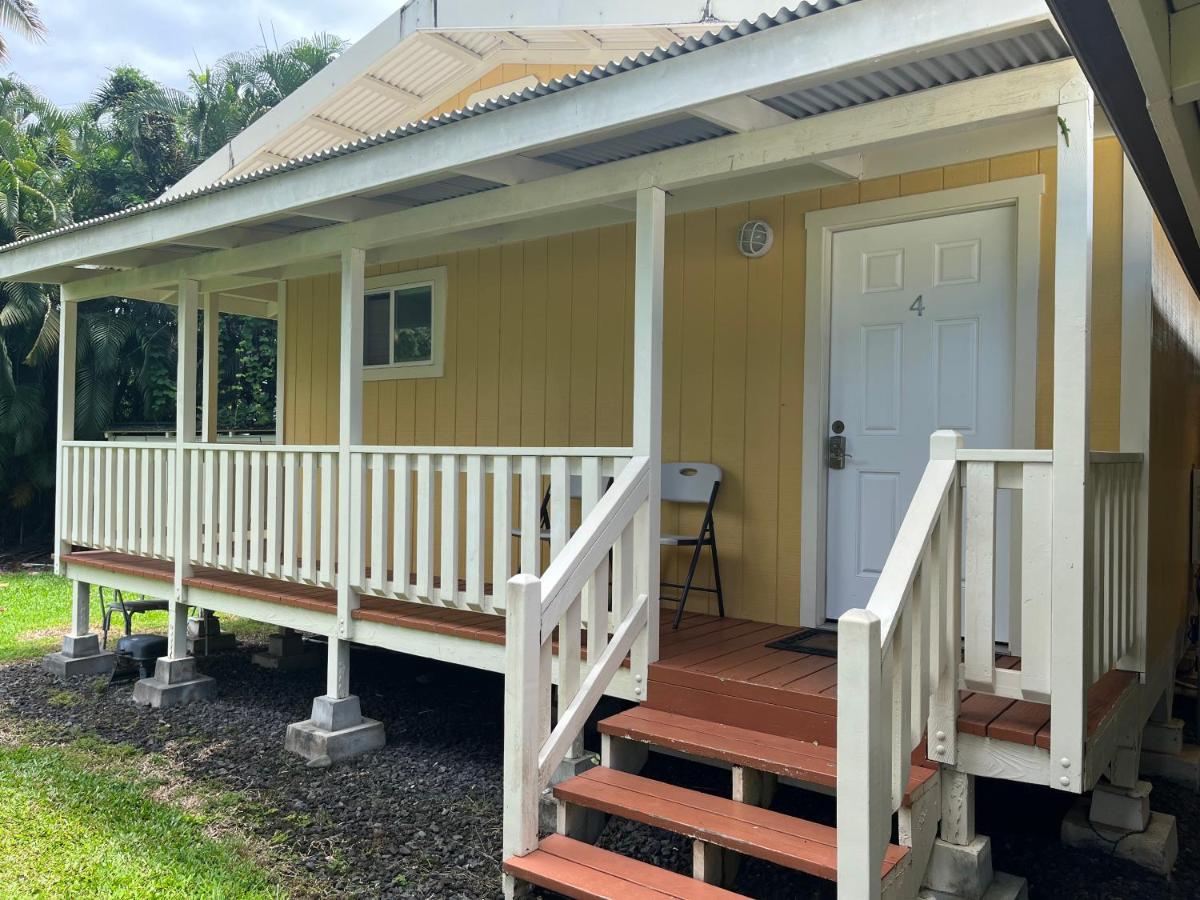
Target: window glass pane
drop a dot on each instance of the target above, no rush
(375, 329)
(413, 335)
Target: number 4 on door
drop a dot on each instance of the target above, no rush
(918, 305)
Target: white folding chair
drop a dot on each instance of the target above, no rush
(691, 482)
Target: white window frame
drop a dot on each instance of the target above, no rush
(434, 368)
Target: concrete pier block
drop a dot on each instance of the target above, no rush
(960, 870)
(81, 655)
(1003, 887)
(289, 652)
(175, 682)
(205, 636)
(336, 731)
(1155, 849)
(1119, 808)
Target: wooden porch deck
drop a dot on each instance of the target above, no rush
(710, 668)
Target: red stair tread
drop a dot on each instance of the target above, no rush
(802, 760)
(579, 870)
(750, 830)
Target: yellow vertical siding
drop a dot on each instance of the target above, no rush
(539, 340)
(1174, 441)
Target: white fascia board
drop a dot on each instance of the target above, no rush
(523, 14)
(867, 35)
(1010, 96)
(311, 96)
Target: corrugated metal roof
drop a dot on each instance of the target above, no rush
(1043, 45)
(599, 73)
(663, 136)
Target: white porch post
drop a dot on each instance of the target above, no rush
(68, 323)
(337, 729)
(1071, 535)
(647, 405)
(185, 433)
(280, 362)
(349, 435)
(212, 340)
(80, 654)
(1137, 332)
(175, 678)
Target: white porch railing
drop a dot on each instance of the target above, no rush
(899, 672)
(423, 524)
(266, 511)
(538, 609)
(118, 497)
(1115, 480)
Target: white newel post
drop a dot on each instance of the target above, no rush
(864, 769)
(523, 690)
(1137, 332)
(349, 435)
(68, 325)
(647, 410)
(212, 340)
(185, 433)
(1071, 534)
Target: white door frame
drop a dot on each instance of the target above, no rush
(1025, 194)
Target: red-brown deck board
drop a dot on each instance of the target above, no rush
(708, 665)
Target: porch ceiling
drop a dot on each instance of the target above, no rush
(760, 80)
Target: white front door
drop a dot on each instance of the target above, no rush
(921, 339)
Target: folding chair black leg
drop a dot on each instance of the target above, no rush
(717, 572)
(687, 586)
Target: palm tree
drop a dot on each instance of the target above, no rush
(22, 17)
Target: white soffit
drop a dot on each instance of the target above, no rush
(427, 53)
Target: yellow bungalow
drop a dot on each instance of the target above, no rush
(872, 282)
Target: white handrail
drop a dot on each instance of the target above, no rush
(537, 610)
(567, 573)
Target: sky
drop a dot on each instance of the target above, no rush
(163, 38)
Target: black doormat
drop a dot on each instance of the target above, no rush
(809, 640)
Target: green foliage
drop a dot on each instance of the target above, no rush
(127, 145)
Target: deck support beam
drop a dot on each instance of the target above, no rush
(1071, 534)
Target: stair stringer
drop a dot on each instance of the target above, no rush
(918, 820)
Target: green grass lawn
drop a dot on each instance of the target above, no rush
(35, 612)
(75, 823)
(80, 817)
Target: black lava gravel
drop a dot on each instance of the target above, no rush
(421, 818)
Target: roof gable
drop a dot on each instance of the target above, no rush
(430, 59)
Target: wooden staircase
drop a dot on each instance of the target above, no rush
(722, 830)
